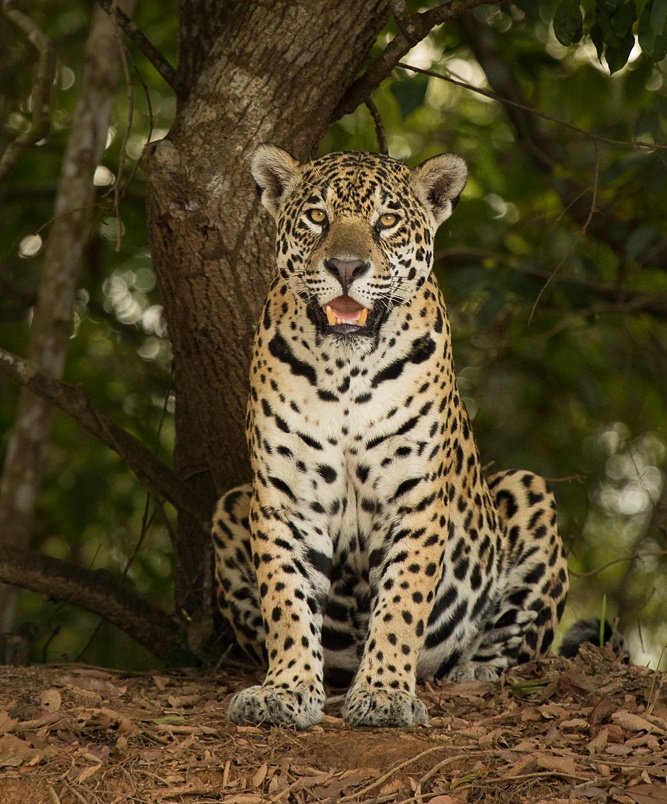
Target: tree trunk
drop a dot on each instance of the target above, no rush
(264, 70)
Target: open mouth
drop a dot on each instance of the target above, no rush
(345, 316)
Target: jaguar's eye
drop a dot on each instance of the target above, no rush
(316, 216)
(387, 220)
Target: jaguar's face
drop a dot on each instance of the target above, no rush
(355, 230)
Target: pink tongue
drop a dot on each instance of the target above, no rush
(345, 307)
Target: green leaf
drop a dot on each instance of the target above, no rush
(652, 30)
(617, 56)
(658, 15)
(612, 32)
(568, 22)
(410, 94)
(609, 7)
(639, 241)
(623, 19)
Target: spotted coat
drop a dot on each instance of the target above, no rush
(370, 544)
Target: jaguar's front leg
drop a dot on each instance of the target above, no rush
(293, 580)
(405, 567)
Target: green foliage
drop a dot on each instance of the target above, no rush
(559, 322)
(613, 26)
(652, 30)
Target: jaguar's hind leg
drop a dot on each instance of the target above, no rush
(235, 581)
(535, 582)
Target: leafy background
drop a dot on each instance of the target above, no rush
(559, 323)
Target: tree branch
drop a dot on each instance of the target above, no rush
(412, 29)
(144, 44)
(379, 126)
(94, 591)
(41, 88)
(73, 401)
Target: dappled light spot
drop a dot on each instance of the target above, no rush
(30, 246)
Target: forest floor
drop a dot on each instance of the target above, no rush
(590, 729)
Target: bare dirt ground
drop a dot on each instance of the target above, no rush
(584, 730)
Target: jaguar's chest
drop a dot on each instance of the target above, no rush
(350, 404)
(338, 425)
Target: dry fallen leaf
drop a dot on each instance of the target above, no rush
(6, 723)
(630, 722)
(87, 773)
(180, 701)
(258, 778)
(575, 724)
(647, 793)
(199, 755)
(555, 763)
(50, 700)
(599, 742)
(15, 752)
(91, 683)
(392, 787)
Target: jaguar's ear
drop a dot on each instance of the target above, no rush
(438, 183)
(273, 169)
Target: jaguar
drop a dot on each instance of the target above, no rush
(370, 545)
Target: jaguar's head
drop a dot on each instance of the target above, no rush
(355, 230)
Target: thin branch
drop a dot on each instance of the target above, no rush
(130, 117)
(73, 401)
(144, 44)
(487, 93)
(95, 592)
(413, 28)
(573, 244)
(50, 328)
(633, 557)
(379, 127)
(41, 88)
(653, 303)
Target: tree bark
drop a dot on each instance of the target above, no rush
(276, 73)
(266, 70)
(52, 318)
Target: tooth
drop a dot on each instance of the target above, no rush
(331, 318)
(363, 316)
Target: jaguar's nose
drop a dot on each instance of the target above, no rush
(346, 271)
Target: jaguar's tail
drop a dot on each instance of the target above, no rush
(589, 631)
